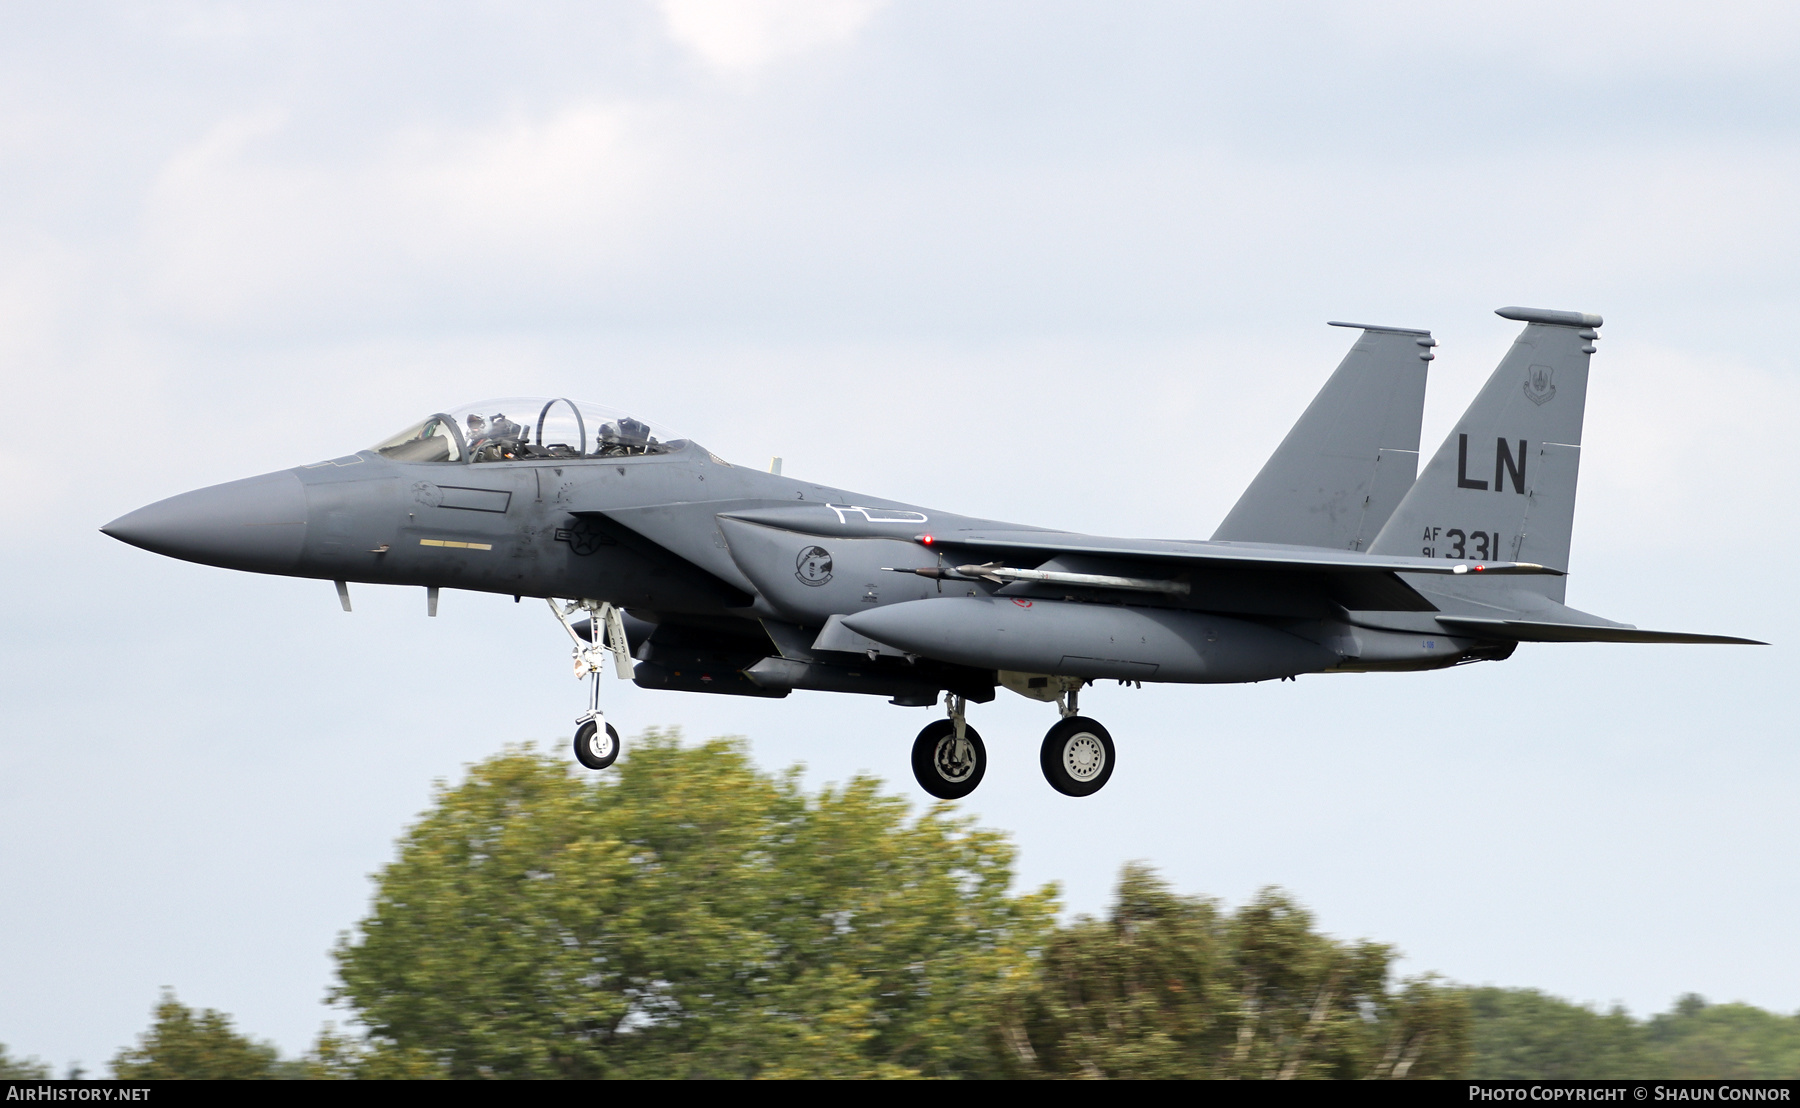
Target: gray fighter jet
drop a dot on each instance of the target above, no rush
(698, 575)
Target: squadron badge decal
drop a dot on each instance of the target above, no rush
(813, 566)
(1539, 388)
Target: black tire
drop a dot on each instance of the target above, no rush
(596, 754)
(932, 765)
(1077, 757)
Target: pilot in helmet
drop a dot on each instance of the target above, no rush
(504, 428)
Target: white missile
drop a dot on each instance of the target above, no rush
(1001, 575)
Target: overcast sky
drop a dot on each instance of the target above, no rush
(1063, 264)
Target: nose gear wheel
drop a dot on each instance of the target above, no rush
(947, 767)
(596, 748)
(1077, 757)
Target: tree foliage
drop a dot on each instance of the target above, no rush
(1699, 1040)
(1173, 987)
(692, 916)
(1522, 1033)
(336, 1057)
(184, 1044)
(21, 1069)
(689, 915)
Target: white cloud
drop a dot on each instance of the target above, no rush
(740, 37)
(35, 291)
(1695, 434)
(527, 180)
(236, 228)
(1602, 39)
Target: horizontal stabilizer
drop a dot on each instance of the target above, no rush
(1523, 630)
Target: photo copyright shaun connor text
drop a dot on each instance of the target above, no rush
(1649, 1092)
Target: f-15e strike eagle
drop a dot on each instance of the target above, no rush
(698, 575)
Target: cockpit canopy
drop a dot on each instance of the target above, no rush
(520, 428)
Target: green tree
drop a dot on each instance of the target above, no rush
(21, 1069)
(689, 915)
(1699, 1040)
(336, 1057)
(1140, 994)
(1172, 987)
(197, 1045)
(1522, 1033)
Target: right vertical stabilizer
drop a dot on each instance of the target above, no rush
(1345, 465)
(1502, 487)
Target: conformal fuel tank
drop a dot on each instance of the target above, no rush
(1091, 640)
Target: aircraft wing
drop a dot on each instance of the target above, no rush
(1524, 630)
(1220, 555)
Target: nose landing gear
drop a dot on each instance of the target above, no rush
(596, 741)
(949, 758)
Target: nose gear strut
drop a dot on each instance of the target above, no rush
(596, 741)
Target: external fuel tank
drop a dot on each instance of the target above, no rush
(1091, 640)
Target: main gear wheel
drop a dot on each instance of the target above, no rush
(1077, 756)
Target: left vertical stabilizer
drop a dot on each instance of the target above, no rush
(1351, 457)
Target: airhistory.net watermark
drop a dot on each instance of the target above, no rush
(51, 1092)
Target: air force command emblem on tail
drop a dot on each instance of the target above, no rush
(813, 566)
(1539, 388)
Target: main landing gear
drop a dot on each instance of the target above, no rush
(1077, 755)
(949, 759)
(596, 741)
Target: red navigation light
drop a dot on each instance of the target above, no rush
(1478, 569)
(926, 539)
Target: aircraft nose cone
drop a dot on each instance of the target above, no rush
(256, 524)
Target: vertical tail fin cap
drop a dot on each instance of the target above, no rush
(1550, 316)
